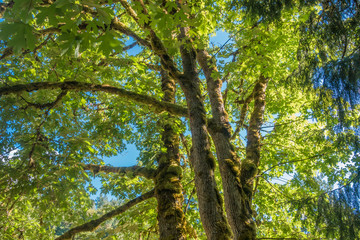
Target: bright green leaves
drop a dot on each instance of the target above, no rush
(85, 126)
(18, 35)
(105, 15)
(76, 30)
(109, 42)
(23, 9)
(69, 42)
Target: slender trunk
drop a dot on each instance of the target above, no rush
(237, 201)
(210, 201)
(168, 188)
(249, 166)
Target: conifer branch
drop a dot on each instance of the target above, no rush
(93, 224)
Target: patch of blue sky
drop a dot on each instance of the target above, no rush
(134, 50)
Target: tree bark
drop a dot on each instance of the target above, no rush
(132, 171)
(229, 164)
(209, 198)
(237, 204)
(168, 187)
(156, 105)
(210, 201)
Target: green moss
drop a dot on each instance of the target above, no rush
(211, 160)
(248, 168)
(235, 168)
(175, 169)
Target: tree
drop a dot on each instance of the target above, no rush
(81, 79)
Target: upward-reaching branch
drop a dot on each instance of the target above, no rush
(93, 224)
(156, 44)
(157, 105)
(249, 166)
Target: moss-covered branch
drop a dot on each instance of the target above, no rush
(93, 224)
(156, 105)
(132, 170)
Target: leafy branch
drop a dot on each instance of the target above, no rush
(93, 224)
(157, 105)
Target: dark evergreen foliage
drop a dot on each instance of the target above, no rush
(329, 49)
(336, 213)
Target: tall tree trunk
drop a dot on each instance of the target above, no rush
(168, 188)
(237, 201)
(210, 201)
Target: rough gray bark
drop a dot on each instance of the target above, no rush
(210, 201)
(249, 166)
(229, 164)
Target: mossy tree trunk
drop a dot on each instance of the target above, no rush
(203, 161)
(168, 188)
(237, 185)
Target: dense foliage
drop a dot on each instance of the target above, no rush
(276, 103)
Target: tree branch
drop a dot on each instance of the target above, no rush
(119, 26)
(155, 42)
(134, 170)
(243, 112)
(157, 105)
(249, 166)
(126, 62)
(130, 10)
(47, 105)
(128, 47)
(93, 224)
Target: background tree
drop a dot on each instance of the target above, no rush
(81, 79)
